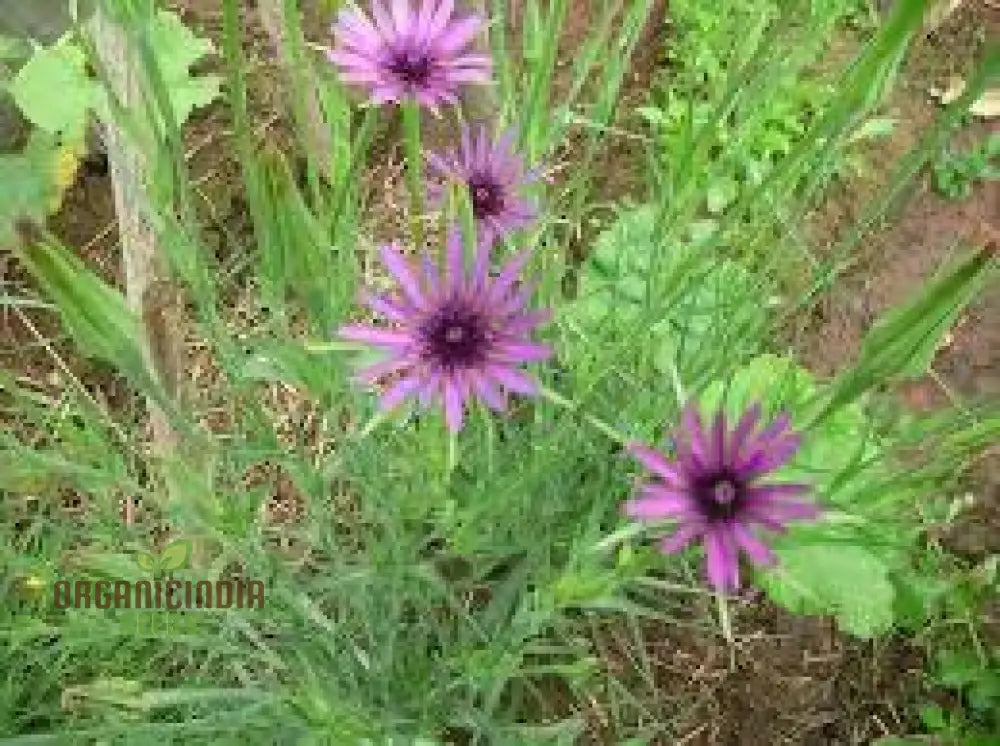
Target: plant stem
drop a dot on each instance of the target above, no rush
(414, 170)
(370, 426)
(725, 621)
(452, 453)
(596, 423)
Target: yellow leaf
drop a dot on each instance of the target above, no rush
(66, 163)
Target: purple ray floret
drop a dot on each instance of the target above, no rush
(407, 53)
(712, 489)
(454, 336)
(493, 173)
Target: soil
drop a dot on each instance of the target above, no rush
(789, 680)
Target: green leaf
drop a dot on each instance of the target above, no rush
(843, 580)
(27, 184)
(12, 50)
(720, 194)
(902, 344)
(95, 313)
(873, 128)
(705, 302)
(146, 561)
(957, 669)
(176, 49)
(60, 68)
(933, 717)
(175, 555)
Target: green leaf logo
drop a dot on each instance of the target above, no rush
(146, 561)
(175, 555)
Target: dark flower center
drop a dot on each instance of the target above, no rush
(411, 66)
(487, 197)
(720, 496)
(456, 337)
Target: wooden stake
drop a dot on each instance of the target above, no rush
(150, 294)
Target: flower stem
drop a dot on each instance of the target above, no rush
(414, 170)
(452, 459)
(594, 422)
(334, 346)
(725, 621)
(374, 422)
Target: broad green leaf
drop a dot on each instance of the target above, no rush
(53, 90)
(176, 49)
(146, 561)
(175, 555)
(27, 184)
(694, 294)
(845, 581)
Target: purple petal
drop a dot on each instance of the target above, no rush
(695, 432)
(387, 307)
(481, 266)
(356, 26)
(512, 379)
(401, 16)
(453, 405)
(524, 352)
(363, 65)
(439, 19)
(483, 149)
(508, 275)
(400, 268)
(372, 373)
(526, 322)
(518, 300)
(465, 144)
(768, 434)
(379, 337)
(719, 440)
(658, 502)
(440, 166)
(657, 464)
(487, 391)
(423, 21)
(382, 20)
(758, 552)
(745, 426)
(776, 455)
(432, 384)
(502, 146)
(396, 393)
(722, 562)
(681, 538)
(430, 272)
(761, 493)
(780, 511)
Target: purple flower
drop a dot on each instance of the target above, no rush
(712, 489)
(493, 173)
(409, 53)
(455, 337)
